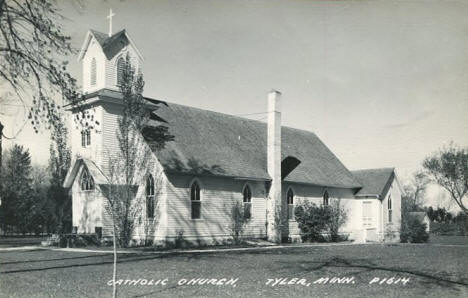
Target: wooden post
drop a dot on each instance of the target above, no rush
(1, 136)
(3, 225)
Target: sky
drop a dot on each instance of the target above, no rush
(382, 83)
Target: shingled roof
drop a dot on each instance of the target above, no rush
(112, 45)
(212, 143)
(96, 173)
(375, 182)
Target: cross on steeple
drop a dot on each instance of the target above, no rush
(110, 21)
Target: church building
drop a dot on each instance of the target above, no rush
(187, 189)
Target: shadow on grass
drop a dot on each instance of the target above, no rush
(55, 259)
(297, 266)
(366, 266)
(357, 265)
(127, 258)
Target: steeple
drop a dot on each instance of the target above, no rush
(101, 55)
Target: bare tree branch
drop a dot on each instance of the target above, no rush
(33, 50)
(449, 169)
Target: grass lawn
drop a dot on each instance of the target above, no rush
(432, 270)
(455, 240)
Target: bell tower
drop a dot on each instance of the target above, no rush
(102, 58)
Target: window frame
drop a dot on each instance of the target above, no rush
(88, 137)
(367, 221)
(390, 209)
(290, 203)
(196, 201)
(83, 139)
(119, 70)
(149, 194)
(247, 201)
(326, 198)
(88, 184)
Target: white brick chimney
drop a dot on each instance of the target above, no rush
(274, 166)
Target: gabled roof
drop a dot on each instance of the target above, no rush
(375, 182)
(100, 37)
(111, 46)
(94, 171)
(211, 143)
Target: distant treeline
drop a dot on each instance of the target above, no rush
(32, 197)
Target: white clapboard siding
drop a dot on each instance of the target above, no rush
(218, 195)
(110, 153)
(94, 50)
(394, 225)
(93, 151)
(86, 207)
(110, 127)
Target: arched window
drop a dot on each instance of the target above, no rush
(87, 182)
(195, 200)
(290, 200)
(93, 72)
(88, 137)
(150, 196)
(85, 138)
(325, 198)
(246, 201)
(120, 70)
(390, 209)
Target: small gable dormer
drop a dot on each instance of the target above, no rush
(102, 57)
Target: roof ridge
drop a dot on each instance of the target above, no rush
(106, 34)
(230, 115)
(373, 169)
(288, 132)
(214, 112)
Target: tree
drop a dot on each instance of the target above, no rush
(132, 159)
(320, 223)
(33, 65)
(1, 152)
(16, 202)
(461, 220)
(431, 213)
(412, 199)
(59, 163)
(440, 215)
(39, 213)
(315, 222)
(338, 218)
(413, 231)
(240, 217)
(414, 191)
(32, 52)
(1, 165)
(124, 168)
(312, 220)
(449, 169)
